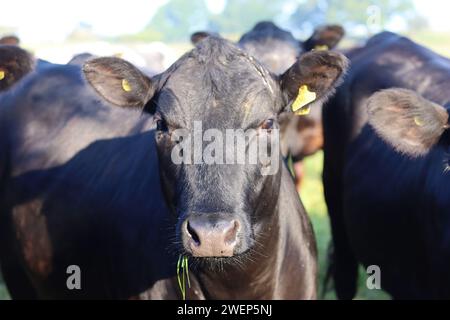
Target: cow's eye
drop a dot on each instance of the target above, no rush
(268, 124)
(161, 124)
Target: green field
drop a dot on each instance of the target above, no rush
(3, 292)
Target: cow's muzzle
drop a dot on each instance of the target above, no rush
(210, 235)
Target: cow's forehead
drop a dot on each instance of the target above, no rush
(215, 62)
(227, 78)
(217, 78)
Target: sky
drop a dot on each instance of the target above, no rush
(437, 13)
(50, 20)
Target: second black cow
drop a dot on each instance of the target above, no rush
(387, 208)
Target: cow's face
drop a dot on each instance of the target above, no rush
(216, 113)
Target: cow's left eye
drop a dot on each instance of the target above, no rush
(161, 124)
(268, 124)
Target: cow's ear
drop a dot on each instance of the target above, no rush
(198, 36)
(324, 38)
(14, 64)
(312, 79)
(10, 40)
(406, 120)
(118, 81)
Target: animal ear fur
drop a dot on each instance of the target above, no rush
(118, 81)
(325, 38)
(406, 120)
(312, 79)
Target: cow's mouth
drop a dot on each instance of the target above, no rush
(221, 263)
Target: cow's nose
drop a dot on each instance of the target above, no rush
(211, 238)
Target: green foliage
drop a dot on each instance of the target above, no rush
(177, 19)
(239, 16)
(356, 11)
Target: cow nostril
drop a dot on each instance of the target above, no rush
(191, 232)
(231, 234)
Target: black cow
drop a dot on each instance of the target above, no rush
(387, 208)
(15, 63)
(86, 183)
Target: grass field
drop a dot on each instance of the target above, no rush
(3, 292)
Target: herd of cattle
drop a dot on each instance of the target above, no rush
(86, 176)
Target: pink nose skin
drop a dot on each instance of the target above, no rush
(206, 239)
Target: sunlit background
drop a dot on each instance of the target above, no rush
(103, 25)
(153, 33)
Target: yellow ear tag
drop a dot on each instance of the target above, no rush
(2, 74)
(304, 97)
(303, 111)
(321, 47)
(126, 85)
(418, 121)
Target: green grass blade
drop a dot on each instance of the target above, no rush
(186, 268)
(181, 284)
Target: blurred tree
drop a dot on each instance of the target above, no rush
(241, 15)
(356, 16)
(177, 19)
(83, 32)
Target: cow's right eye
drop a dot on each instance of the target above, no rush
(161, 125)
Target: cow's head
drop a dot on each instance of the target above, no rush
(406, 120)
(14, 64)
(220, 208)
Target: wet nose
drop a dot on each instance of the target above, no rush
(206, 237)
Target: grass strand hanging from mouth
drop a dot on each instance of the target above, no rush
(183, 274)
